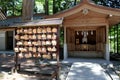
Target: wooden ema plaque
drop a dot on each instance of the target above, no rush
(38, 42)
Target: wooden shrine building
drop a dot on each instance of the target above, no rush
(86, 29)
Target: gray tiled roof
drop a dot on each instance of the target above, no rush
(40, 22)
(11, 21)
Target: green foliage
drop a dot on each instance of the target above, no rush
(60, 5)
(11, 7)
(61, 37)
(39, 6)
(14, 7)
(108, 3)
(114, 39)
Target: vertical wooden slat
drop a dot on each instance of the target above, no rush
(117, 38)
(58, 53)
(96, 39)
(100, 39)
(73, 42)
(16, 55)
(65, 31)
(103, 29)
(114, 39)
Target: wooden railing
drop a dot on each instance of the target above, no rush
(85, 47)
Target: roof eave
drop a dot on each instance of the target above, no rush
(43, 22)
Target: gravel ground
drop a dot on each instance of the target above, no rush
(112, 69)
(116, 65)
(6, 63)
(65, 67)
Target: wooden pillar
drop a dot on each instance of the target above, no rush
(107, 53)
(65, 44)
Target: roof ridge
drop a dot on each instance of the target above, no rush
(87, 1)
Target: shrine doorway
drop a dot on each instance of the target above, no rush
(88, 42)
(85, 40)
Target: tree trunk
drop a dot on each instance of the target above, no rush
(54, 11)
(75, 1)
(4, 10)
(46, 7)
(27, 10)
(13, 8)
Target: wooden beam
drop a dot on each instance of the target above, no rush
(86, 22)
(7, 29)
(84, 28)
(78, 25)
